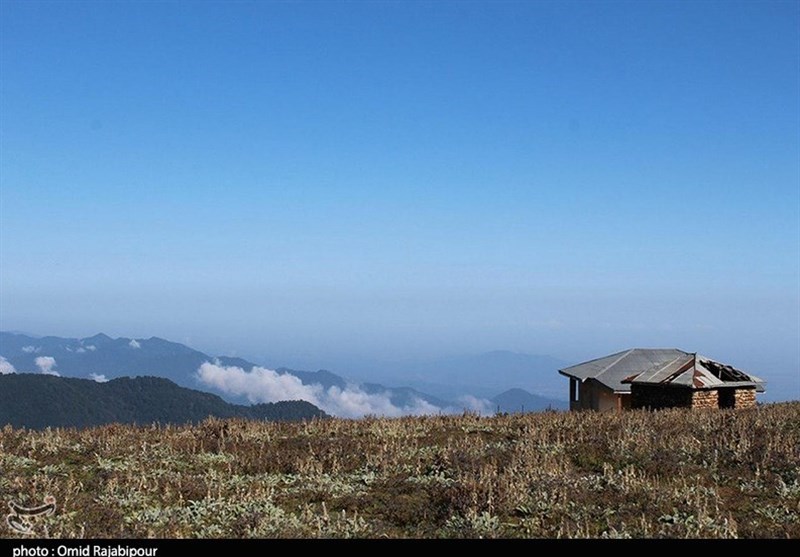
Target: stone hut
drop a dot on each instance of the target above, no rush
(659, 378)
(694, 381)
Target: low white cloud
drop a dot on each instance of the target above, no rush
(265, 385)
(134, 343)
(258, 385)
(46, 365)
(5, 367)
(80, 350)
(99, 377)
(30, 349)
(473, 404)
(91, 347)
(354, 402)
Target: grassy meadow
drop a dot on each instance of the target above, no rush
(675, 474)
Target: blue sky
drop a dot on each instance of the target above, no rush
(316, 183)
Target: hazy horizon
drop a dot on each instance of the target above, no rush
(542, 380)
(326, 185)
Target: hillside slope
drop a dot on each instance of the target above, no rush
(720, 474)
(39, 401)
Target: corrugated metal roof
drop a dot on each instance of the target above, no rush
(612, 370)
(697, 372)
(659, 366)
(666, 371)
(727, 373)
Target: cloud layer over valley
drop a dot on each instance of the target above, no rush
(265, 385)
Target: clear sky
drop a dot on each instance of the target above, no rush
(325, 181)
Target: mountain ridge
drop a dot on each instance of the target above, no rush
(36, 401)
(111, 358)
(518, 400)
(436, 383)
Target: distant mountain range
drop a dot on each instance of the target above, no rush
(36, 401)
(518, 401)
(104, 356)
(482, 375)
(441, 385)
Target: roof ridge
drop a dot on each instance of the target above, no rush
(683, 368)
(598, 359)
(615, 362)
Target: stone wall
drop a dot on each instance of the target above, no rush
(705, 399)
(656, 397)
(745, 398)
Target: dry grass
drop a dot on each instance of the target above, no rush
(677, 473)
